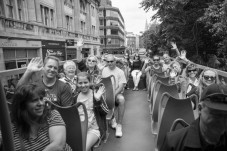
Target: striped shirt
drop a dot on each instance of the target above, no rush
(42, 140)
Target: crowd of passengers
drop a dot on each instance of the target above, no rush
(36, 126)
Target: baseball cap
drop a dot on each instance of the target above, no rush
(218, 96)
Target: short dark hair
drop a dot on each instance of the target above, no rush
(84, 74)
(19, 115)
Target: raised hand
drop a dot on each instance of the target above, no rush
(98, 94)
(97, 79)
(35, 64)
(174, 45)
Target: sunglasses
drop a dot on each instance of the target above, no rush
(191, 70)
(211, 78)
(91, 60)
(110, 61)
(156, 59)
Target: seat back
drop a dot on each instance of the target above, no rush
(155, 78)
(109, 83)
(76, 128)
(178, 124)
(160, 74)
(164, 80)
(5, 123)
(159, 89)
(170, 109)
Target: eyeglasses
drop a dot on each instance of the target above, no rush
(89, 60)
(156, 59)
(211, 78)
(110, 61)
(191, 70)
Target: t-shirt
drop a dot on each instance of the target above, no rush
(60, 93)
(42, 140)
(117, 73)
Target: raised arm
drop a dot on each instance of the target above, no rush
(144, 66)
(174, 46)
(34, 66)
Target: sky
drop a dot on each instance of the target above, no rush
(134, 16)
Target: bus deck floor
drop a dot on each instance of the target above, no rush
(137, 134)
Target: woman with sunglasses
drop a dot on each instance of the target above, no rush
(207, 77)
(191, 81)
(136, 71)
(155, 67)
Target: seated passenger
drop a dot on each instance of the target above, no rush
(208, 132)
(58, 91)
(136, 71)
(207, 77)
(155, 68)
(120, 79)
(34, 126)
(192, 82)
(96, 108)
(70, 77)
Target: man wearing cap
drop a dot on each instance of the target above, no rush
(209, 131)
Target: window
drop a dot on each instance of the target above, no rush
(9, 4)
(101, 32)
(101, 13)
(82, 26)
(52, 18)
(101, 22)
(113, 23)
(20, 9)
(109, 40)
(114, 32)
(92, 11)
(93, 30)
(101, 41)
(1, 8)
(82, 6)
(18, 58)
(47, 16)
(69, 23)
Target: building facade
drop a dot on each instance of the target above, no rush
(37, 28)
(112, 28)
(132, 43)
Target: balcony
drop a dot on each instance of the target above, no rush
(16, 28)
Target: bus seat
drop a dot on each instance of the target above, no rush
(159, 89)
(76, 129)
(109, 83)
(170, 109)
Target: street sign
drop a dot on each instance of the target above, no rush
(70, 42)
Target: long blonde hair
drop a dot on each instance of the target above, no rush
(202, 84)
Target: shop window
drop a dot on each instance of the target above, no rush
(21, 53)
(9, 54)
(9, 4)
(10, 64)
(32, 53)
